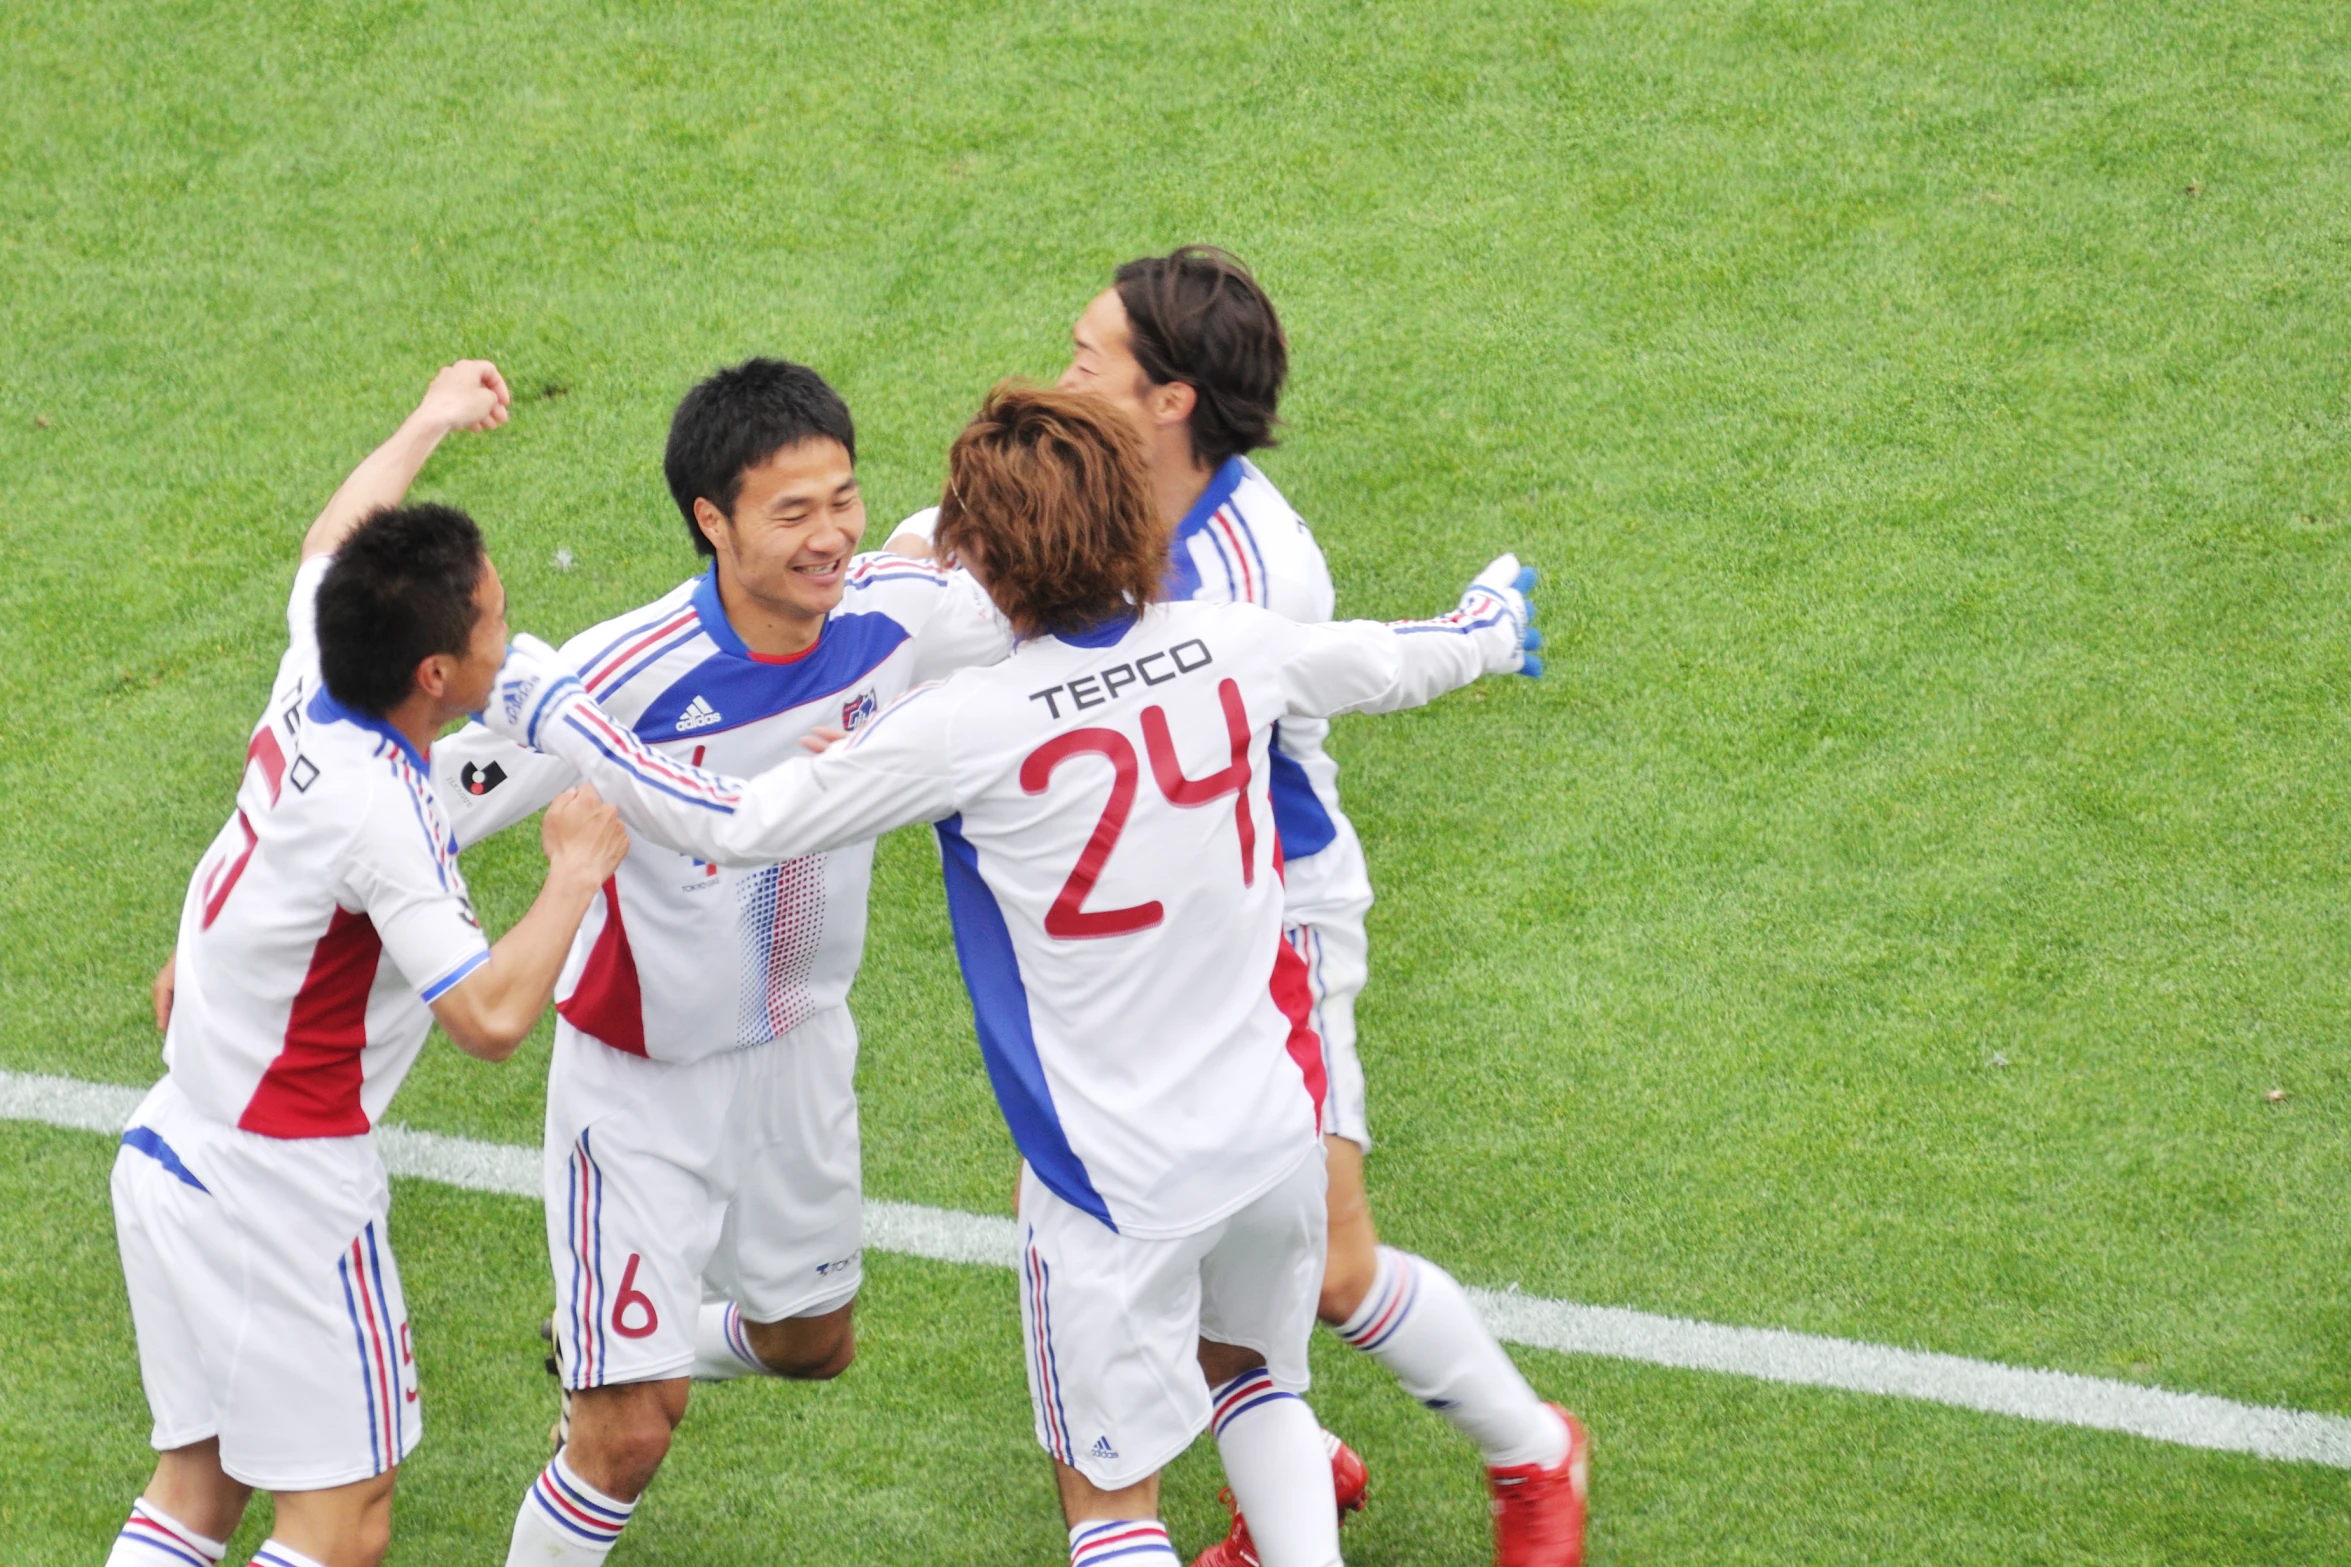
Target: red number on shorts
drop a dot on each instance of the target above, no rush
(1233, 780)
(629, 1296)
(1069, 919)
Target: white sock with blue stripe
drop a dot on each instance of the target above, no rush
(565, 1522)
(722, 1351)
(1131, 1542)
(1418, 1322)
(1280, 1472)
(272, 1554)
(154, 1538)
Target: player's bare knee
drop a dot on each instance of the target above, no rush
(374, 1536)
(1347, 1275)
(806, 1349)
(1220, 1363)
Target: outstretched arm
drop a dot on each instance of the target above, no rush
(468, 395)
(1363, 666)
(893, 772)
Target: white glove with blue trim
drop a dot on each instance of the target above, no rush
(1510, 585)
(533, 686)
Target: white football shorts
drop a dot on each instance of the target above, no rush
(739, 1171)
(267, 1304)
(1112, 1325)
(1337, 955)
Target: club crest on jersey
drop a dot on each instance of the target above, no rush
(698, 715)
(858, 709)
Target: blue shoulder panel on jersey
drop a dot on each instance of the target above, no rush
(1298, 813)
(733, 688)
(1183, 577)
(146, 1140)
(1000, 1009)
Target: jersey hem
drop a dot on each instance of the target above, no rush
(1224, 1210)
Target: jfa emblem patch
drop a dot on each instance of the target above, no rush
(858, 709)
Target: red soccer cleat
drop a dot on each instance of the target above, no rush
(1350, 1481)
(1538, 1512)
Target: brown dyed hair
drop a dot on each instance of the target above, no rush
(1195, 315)
(1051, 492)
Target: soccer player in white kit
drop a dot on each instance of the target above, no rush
(1115, 884)
(701, 1107)
(324, 931)
(1188, 346)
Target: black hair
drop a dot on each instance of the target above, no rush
(739, 418)
(400, 590)
(1195, 315)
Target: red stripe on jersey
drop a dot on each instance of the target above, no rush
(608, 1003)
(1293, 992)
(611, 666)
(223, 879)
(312, 1088)
(272, 757)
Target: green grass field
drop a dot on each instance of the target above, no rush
(1887, 920)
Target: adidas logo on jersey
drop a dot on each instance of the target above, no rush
(698, 715)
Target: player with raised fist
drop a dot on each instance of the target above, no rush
(324, 931)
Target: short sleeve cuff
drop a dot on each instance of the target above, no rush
(452, 976)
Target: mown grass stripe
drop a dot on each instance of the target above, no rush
(1611, 1332)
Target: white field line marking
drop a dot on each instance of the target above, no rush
(1768, 1354)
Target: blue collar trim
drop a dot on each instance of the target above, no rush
(1220, 489)
(1107, 634)
(327, 710)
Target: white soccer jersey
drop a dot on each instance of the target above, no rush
(1114, 881)
(322, 920)
(680, 958)
(1242, 543)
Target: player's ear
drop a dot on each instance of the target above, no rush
(709, 519)
(432, 676)
(1172, 402)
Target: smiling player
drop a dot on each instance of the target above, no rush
(701, 1111)
(1102, 804)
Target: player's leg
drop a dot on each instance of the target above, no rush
(1258, 1286)
(340, 1526)
(186, 1513)
(635, 1195)
(789, 1258)
(1415, 1319)
(190, 1506)
(1109, 1325)
(268, 1270)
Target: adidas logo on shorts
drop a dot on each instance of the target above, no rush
(698, 715)
(1103, 1449)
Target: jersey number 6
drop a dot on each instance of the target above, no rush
(1068, 919)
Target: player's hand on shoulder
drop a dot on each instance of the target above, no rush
(1513, 585)
(468, 395)
(583, 836)
(822, 739)
(532, 686)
